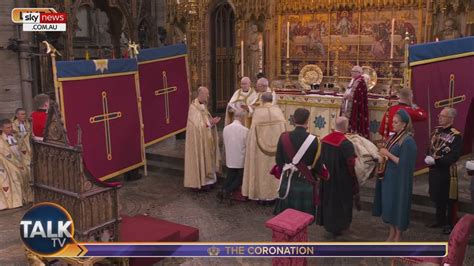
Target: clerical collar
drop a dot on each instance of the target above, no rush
(11, 140)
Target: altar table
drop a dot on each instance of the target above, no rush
(324, 109)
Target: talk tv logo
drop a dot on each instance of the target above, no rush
(46, 229)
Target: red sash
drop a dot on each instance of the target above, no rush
(302, 167)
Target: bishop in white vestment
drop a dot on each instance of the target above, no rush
(202, 155)
(243, 98)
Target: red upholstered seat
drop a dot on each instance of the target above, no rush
(290, 222)
(142, 228)
(137, 229)
(186, 233)
(457, 244)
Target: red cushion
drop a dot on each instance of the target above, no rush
(459, 239)
(186, 233)
(290, 222)
(136, 229)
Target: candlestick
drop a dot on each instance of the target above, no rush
(393, 32)
(260, 55)
(87, 54)
(242, 57)
(287, 39)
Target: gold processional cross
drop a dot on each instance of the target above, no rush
(451, 100)
(106, 117)
(166, 91)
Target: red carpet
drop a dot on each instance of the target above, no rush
(142, 228)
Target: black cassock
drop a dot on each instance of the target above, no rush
(337, 154)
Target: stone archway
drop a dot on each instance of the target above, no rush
(222, 27)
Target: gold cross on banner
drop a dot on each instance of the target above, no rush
(452, 100)
(106, 117)
(166, 91)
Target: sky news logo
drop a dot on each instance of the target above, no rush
(39, 19)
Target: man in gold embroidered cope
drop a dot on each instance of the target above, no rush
(268, 122)
(243, 98)
(22, 132)
(13, 174)
(262, 87)
(202, 155)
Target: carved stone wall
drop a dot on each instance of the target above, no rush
(349, 23)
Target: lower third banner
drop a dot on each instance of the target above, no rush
(254, 250)
(101, 97)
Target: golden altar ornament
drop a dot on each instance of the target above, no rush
(310, 75)
(373, 76)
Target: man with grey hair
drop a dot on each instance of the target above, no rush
(355, 104)
(341, 190)
(202, 154)
(243, 98)
(268, 122)
(262, 87)
(235, 138)
(443, 153)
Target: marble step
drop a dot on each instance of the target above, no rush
(170, 168)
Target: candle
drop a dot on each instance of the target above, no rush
(242, 57)
(260, 54)
(393, 32)
(437, 40)
(288, 39)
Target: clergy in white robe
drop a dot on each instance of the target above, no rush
(262, 87)
(12, 170)
(202, 156)
(243, 98)
(22, 132)
(268, 122)
(235, 139)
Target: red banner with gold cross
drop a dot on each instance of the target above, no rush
(164, 89)
(442, 77)
(102, 98)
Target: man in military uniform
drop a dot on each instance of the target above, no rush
(443, 153)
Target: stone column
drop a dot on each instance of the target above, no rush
(25, 74)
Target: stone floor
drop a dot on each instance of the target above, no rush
(163, 196)
(175, 148)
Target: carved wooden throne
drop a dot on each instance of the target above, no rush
(60, 177)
